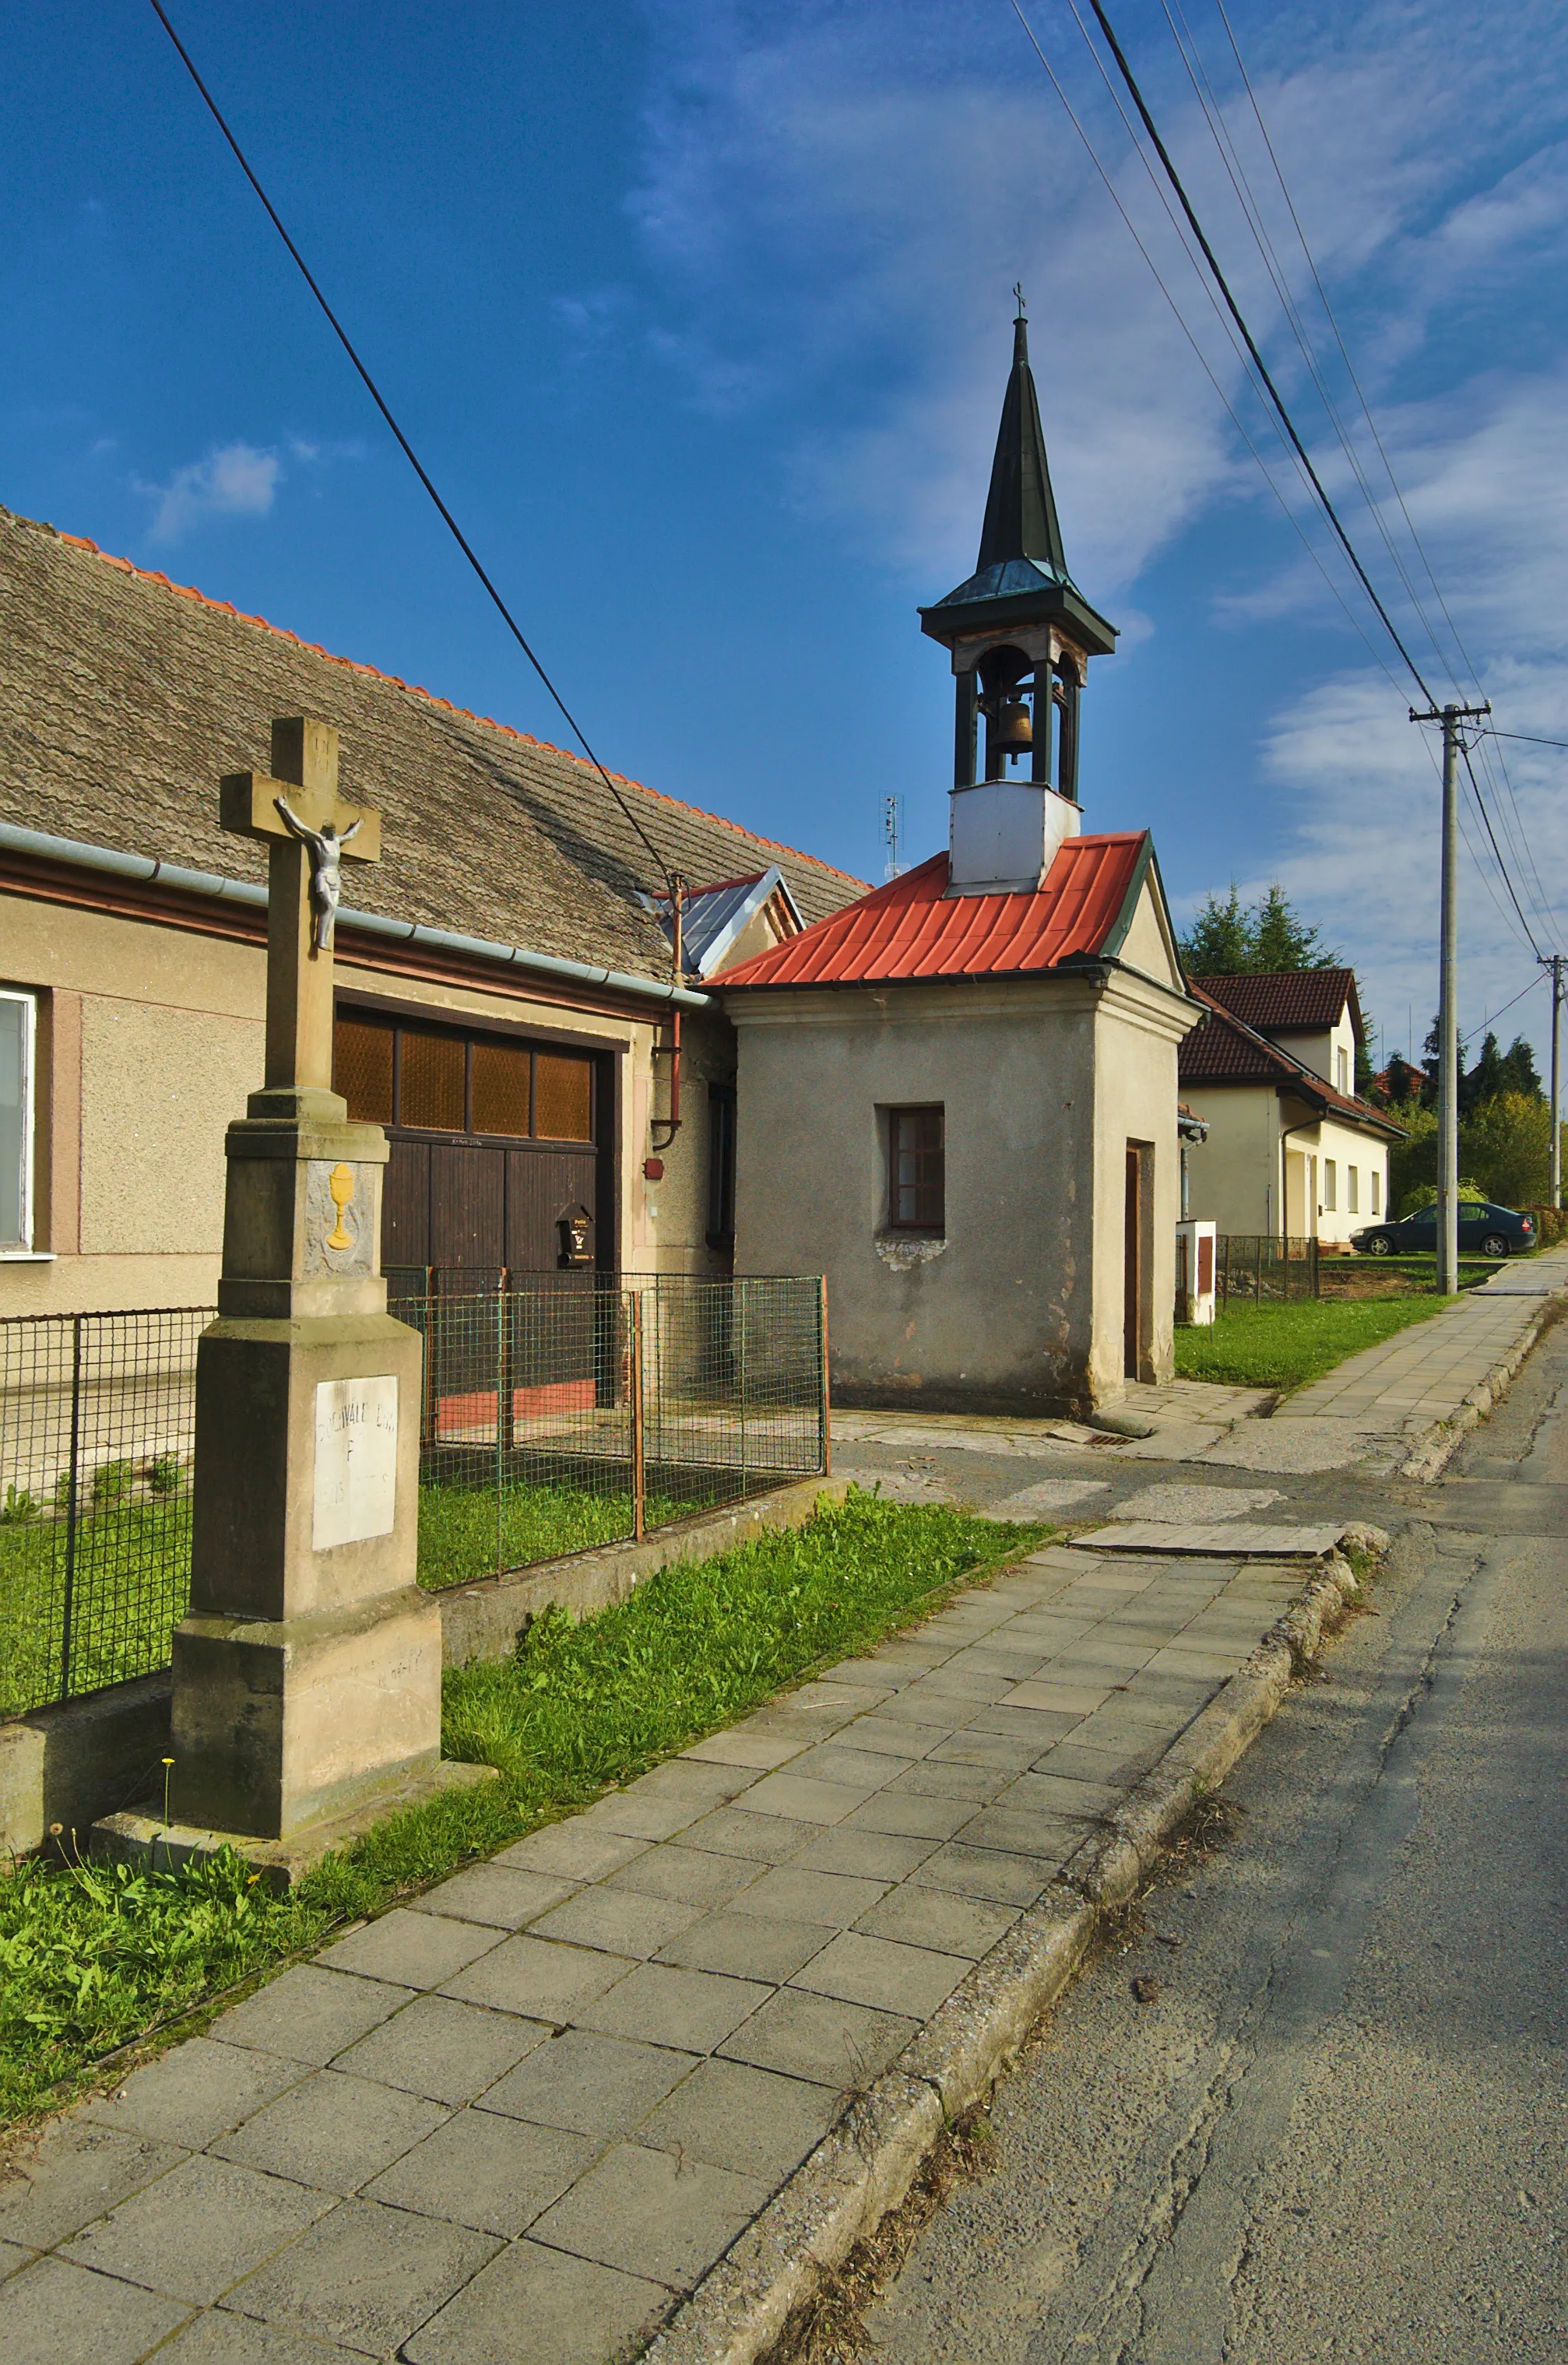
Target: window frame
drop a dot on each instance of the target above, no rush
(399, 1017)
(721, 1232)
(925, 1224)
(26, 1209)
(1376, 1179)
(1330, 1186)
(1352, 1190)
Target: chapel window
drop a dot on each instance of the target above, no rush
(18, 1024)
(721, 1166)
(916, 1170)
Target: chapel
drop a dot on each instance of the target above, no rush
(957, 1095)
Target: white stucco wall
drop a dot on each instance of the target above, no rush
(1042, 1082)
(1235, 1174)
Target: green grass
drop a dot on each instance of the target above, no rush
(94, 1959)
(1286, 1346)
(460, 1535)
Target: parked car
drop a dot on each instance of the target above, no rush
(1491, 1231)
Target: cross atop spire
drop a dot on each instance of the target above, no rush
(1021, 511)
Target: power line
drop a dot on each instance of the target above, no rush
(1507, 882)
(411, 456)
(1528, 736)
(1258, 363)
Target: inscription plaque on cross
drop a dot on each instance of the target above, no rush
(309, 831)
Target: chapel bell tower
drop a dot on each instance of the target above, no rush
(1021, 635)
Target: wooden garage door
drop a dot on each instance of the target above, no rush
(494, 1140)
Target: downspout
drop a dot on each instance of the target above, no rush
(671, 1124)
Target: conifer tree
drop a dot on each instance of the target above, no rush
(1282, 938)
(1219, 943)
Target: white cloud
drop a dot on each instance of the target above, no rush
(234, 480)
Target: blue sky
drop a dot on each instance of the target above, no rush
(699, 314)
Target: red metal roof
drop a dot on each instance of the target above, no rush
(912, 929)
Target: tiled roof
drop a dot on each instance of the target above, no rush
(124, 696)
(1289, 1001)
(910, 929)
(1223, 1050)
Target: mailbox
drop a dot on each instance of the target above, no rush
(576, 1239)
(1195, 1273)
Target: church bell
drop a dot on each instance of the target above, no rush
(1013, 732)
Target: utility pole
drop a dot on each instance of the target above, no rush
(1556, 1080)
(1451, 717)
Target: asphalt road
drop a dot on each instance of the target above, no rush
(1340, 2131)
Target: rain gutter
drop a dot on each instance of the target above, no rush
(149, 872)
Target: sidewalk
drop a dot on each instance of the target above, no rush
(527, 2115)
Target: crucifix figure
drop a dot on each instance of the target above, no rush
(308, 829)
(326, 850)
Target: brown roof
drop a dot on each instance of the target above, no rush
(1223, 1050)
(1289, 1001)
(124, 696)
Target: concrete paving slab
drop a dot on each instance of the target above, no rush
(413, 1950)
(199, 2230)
(492, 1893)
(332, 2131)
(930, 1917)
(539, 1980)
(1000, 1876)
(863, 1855)
(738, 1747)
(199, 2090)
(945, 1776)
(1294, 1447)
(216, 2338)
(574, 1850)
(1183, 1504)
(13, 2259)
(793, 1893)
(365, 2275)
(447, 2051)
(310, 2014)
(486, 2171)
(1045, 1500)
(764, 1839)
(746, 1946)
(1061, 1699)
(617, 1920)
(690, 1876)
(885, 1973)
(1025, 1831)
(649, 2213)
(1000, 1753)
(576, 2313)
(592, 2085)
(73, 2174)
(56, 2313)
(889, 1736)
(664, 2005)
(748, 2120)
(921, 1818)
(1215, 1536)
(821, 2038)
(844, 1764)
(804, 1801)
(644, 1818)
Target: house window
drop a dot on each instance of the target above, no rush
(916, 1177)
(721, 1166)
(1353, 1191)
(1376, 1192)
(19, 1020)
(1342, 1069)
(1330, 1184)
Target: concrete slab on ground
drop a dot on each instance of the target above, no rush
(566, 2083)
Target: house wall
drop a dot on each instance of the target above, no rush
(1232, 1172)
(1042, 1083)
(151, 1037)
(1320, 1051)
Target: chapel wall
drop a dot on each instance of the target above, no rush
(1137, 1036)
(998, 1312)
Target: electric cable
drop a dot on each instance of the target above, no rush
(1258, 362)
(412, 457)
(1507, 882)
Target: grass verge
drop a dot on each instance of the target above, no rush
(95, 1959)
(1286, 1346)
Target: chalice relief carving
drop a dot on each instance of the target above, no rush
(325, 846)
(340, 1183)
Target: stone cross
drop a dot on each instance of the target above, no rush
(308, 829)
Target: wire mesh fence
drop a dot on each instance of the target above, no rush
(559, 1411)
(97, 1416)
(1260, 1269)
(571, 1409)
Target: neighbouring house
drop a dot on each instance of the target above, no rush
(1291, 1149)
(507, 1002)
(957, 1095)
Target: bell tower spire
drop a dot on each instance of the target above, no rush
(1019, 630)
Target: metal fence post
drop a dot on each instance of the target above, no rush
(639, 1476)
(824, 1424)
(68, 1605)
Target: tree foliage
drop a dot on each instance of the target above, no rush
(1230, 938)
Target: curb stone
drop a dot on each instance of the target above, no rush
(864, 2167)
(1440, 1443)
